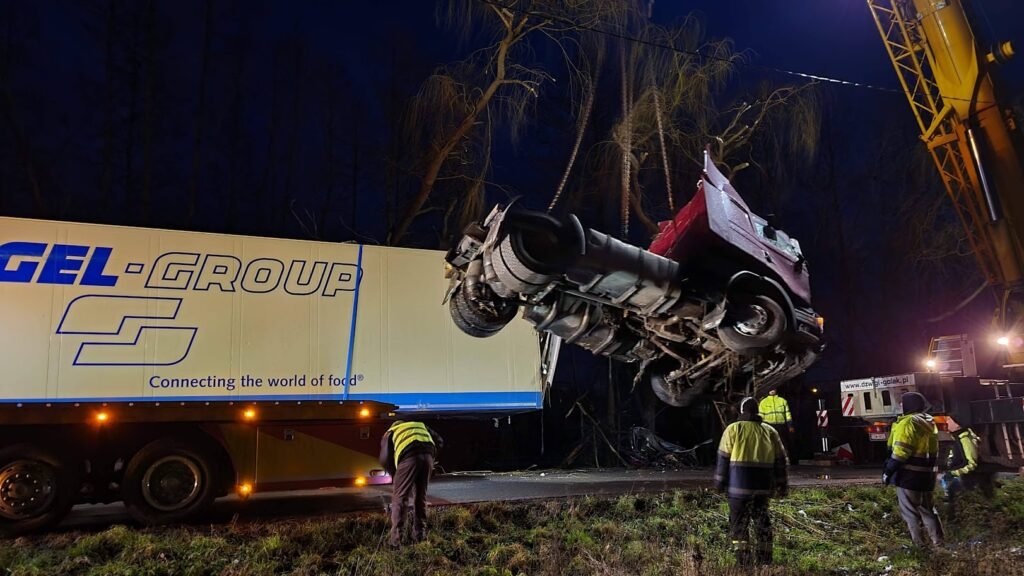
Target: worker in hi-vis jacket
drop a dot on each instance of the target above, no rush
(751, 469)
(407, 452)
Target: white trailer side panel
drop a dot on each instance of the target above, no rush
(91, 312)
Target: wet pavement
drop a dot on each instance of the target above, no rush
(464, 488)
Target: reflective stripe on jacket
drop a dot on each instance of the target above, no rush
(915, 447)
(964, 458)
(751, 460)
(403, 434)
(774, 410)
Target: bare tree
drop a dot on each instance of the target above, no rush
(109, 104)
(673, 86)
(456, 100)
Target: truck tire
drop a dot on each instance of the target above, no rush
(37, 488)
(754, 324)
(474, 321)
(168, 481)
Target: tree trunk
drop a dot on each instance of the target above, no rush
(293, 144)
(107, 166)
(356, 145)
(627, 142)
(637, 205)
(329, 158)
(437, 161)
(135, 71)
(147, 112)
(269, 174)
(200, 116)
(235, 167)
(24, 149)
(21, 142)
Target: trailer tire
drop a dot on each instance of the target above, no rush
(474, 321)
(28, 473)
(168, 481)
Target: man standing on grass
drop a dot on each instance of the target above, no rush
(751, 469)
(914, 441)
(963, 469)
(407, 452)
(774, 411)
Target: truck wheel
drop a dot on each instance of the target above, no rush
(168, 481)
(754, 323)
(475, 321)
(37, 488)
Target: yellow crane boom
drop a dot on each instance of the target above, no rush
(969, 134)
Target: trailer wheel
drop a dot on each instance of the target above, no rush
(168, 481)
(754, 323)
(37, 488)
(475, 321)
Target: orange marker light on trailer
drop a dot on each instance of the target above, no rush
(102, 417)
(360, 481)
(249, 414)
(364, 413)
(244, 490)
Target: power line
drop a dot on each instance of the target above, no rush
(699, 54)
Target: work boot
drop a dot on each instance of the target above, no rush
(742, 551)
(419, 532)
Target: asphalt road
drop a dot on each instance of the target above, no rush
(463, 488)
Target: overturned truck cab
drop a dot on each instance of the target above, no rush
(718, 304)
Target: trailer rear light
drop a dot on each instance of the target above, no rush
(102, 417)
(249, 414)
(360, 481)
(364, 413)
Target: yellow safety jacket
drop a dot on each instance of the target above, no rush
(403, 434)
(775, 410)
(914, 442)
(964, 459)
(751, 460)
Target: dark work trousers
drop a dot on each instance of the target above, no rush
(787, 442)
(743, 512)
(410, 491)
(917, 509)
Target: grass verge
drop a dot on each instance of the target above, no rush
(842, 531)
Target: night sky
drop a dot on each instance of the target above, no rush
(299, 136)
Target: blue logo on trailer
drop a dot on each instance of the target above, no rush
(62, 266)
(133, 318)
